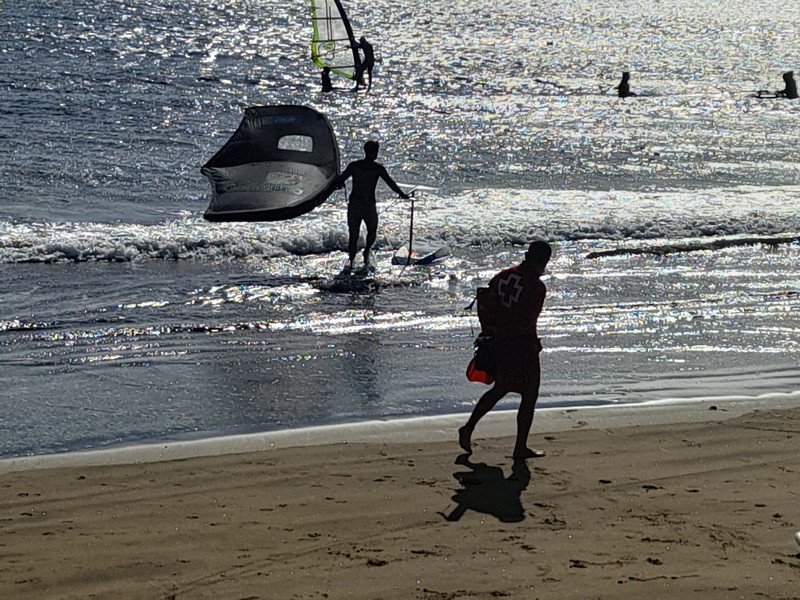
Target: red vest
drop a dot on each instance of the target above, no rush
(512, 303)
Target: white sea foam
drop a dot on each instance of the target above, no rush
(487, 218)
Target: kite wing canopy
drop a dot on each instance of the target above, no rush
(333, 44)
(280, 163)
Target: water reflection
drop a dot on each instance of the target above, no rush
(363, 362)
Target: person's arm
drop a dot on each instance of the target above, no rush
(390, 182)
(346, 174)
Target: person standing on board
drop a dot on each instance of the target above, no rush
(790, 91)
(514, 302)
(624, 88)
(366, 65)
(361, 205)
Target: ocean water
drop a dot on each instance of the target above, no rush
(126, 318)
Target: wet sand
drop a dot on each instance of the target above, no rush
(706, 507)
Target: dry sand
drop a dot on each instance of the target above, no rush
(701, 509)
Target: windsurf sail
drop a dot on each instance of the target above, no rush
(333, 44)
(280, 163)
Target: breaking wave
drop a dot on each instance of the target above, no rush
(485, 218)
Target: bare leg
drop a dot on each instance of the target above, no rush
(524, 423)
(525, 417)
(352, 248)
(372, 234)
(354, 228)
(465, 439)
(358, 76)
(484, 405)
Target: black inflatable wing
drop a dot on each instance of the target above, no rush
(280, 163)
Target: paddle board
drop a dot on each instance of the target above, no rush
(422, 253)
(358, 281)
(367, 281)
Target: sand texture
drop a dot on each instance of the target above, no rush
(699, 510)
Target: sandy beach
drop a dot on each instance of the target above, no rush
(702, 508)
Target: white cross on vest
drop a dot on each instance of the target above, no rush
(509, 289)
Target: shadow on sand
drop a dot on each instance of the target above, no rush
(486, 489)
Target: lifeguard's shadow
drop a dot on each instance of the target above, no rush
(486, 489)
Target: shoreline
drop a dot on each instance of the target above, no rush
(441, 428)
(699, 504)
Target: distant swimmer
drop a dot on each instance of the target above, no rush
(361, 204)
(367, 63)
(624, 88)
(327, 86)
(790, 91)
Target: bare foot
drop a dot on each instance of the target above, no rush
(529, 453)
(465, 439)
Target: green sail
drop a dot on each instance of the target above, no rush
(333, 44)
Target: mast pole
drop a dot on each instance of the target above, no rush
(411, 230)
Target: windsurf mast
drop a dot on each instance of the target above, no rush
(333, 44)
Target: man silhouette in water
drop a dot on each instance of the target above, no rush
(790, 91)
(367, 63)
(327, 86)
(361, 204)
(511, 306)
(624, 88)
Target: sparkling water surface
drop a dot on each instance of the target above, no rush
(125, 317)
